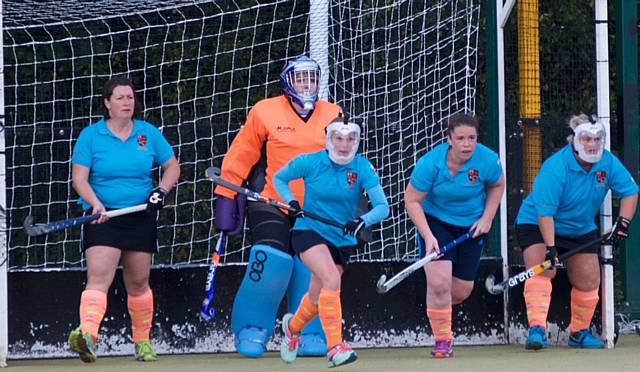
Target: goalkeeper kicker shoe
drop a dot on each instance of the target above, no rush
(341, 354)
(537, 339)
(583, 339)
(83, 344)
(145, 352)
(290, 341)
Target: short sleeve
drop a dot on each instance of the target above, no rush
(162, 148)
(82, 149)
(424, 174)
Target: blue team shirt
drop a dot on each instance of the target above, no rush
(333, 191)
(564, 190)
(460, 199)
(120, 171)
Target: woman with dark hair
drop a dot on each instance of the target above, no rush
(454, 188)
(112, 163)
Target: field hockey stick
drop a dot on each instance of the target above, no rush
(522, 277)
(207, 312)
(213, 174)
(41, 229)
(384, 287)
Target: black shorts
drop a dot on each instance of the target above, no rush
(529, 234)
(130, 232)
(465, 257)
(302, 240)
(270, 226)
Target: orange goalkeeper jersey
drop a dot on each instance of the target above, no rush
(274, 124)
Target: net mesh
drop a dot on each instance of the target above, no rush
(199, 66)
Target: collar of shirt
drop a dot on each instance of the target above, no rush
(442, 163)
(324, 159)
(104, 130)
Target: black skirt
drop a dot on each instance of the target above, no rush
(130, 232)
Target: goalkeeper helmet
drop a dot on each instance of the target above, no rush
(299, 81)
(343, 137)
(588, 140)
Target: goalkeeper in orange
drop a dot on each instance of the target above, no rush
(277, 130)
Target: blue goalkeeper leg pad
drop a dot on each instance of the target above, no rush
(313, 340)
(256, 305)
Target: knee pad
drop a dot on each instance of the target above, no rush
(313, 339)
(258, 299)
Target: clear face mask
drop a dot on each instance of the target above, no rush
(588, 141)
(342, 142)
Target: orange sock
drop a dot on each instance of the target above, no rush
(93, 305)
(304, 314)
(440, 320)
(537, 297)
(330, 311)
(141, 311)
(583, 305)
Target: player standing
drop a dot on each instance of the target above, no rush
(277, 130)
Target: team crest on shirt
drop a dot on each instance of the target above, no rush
(473, 175)
(142, 141)
(352, 177)
(601, 176)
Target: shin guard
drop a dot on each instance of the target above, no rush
(313, 339)
(258, 299)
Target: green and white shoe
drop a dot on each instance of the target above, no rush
(145, 352)
(83, 344)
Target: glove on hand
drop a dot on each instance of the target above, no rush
(353, 227)
(619, 232)
(296, 209)
(552, 255)
(155, 200)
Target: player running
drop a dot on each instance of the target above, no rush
(334, 180)
(277, 130)
(455, 187)
(559, 215)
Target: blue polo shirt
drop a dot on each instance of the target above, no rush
(564, 190)
(333, 191)
(459, 199)
(120, 171)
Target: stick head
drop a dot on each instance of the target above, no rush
(380, 286)
(490, 285)
(212, 173)
(207, 313)
(31, 229)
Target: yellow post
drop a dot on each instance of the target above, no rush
(529, 79)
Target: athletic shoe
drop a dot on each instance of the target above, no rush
(251, 341)
(341, 354)
(290, 341)
(145, 352)
(442, 349)
(585, 340)
(537, 339)
(83, 344)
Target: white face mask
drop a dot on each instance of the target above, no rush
(342, 137)
(588, 141)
